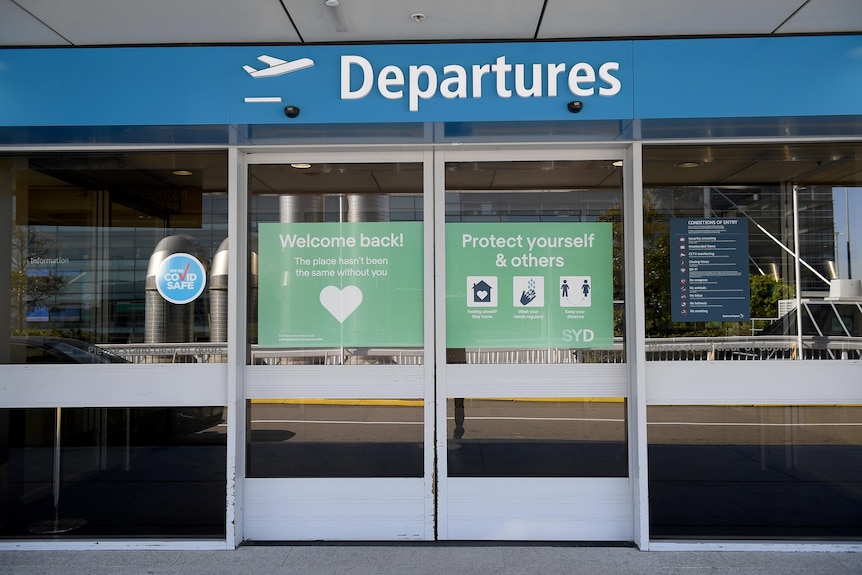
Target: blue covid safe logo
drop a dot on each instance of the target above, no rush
(181, 278)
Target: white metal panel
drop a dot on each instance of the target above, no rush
(636, 348)
(388, 20)
(577, 509)
(509, 380)
(429, 381)
(18, 28)
(755, 546)
(749, 382)
(363, 509)
(821, 16)
(335, 381)
(113, 385)
(237, 415)
(621, 18)
(103, 22)
(131, 22)
(115, 545)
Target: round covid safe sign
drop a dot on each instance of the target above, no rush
(181, 278)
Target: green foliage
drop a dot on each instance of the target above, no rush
(765, 293)
(31, 290)
(765, 290)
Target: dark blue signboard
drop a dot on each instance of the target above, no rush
(709, 269)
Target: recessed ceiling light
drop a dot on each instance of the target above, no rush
(182, 173)
(688, 165)
(300, 166)
(418, 17)
(332, 3)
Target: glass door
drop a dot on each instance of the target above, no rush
(436, 348)
(336, 383)
(532, 382)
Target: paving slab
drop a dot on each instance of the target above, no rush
(427, 559)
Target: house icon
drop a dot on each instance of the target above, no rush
(481, 292)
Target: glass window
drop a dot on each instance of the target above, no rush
(755, 471)
(537, 437)
(534, 262)
(336, 270)
(720, 243)
(335, 438)
(113, 472)
(111, 256)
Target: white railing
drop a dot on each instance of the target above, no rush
(752, 348)
(657, 349)
(168, 352)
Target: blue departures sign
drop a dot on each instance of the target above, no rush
(709, 269)
(451, 82)
(477, 82)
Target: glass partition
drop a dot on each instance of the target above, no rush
(336, 266)
(335, 438)
(113, 472)
(112, 257)
(722, 227)
(768, 472)
(537, 437)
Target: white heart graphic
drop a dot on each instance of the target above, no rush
(482, 295)
(341, 302)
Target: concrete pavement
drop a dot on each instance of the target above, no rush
(430, 558)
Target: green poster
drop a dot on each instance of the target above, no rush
(340, 284)
(529, 285)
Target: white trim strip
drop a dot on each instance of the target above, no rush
(337, 421)
(776, 547)
(115, 545)
(742, 424)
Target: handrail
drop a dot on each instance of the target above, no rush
(743, 348)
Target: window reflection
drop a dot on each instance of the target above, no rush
(759, 185)
(523, 197)
(755, 471)
(537, 437)
(336, 273)
(85, 228)
(110, 471)
(335, 438)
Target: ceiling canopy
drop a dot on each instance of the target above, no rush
(30, 23)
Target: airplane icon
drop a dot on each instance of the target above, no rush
(278, 67)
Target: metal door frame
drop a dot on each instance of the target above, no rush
(502, 380)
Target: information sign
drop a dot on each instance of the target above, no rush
(709, 269)
(529, 285)
(340, 284)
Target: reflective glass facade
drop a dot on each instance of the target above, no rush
(616, 329)
(110, 473)
(82, 291)
(88, 231)
(735, 472)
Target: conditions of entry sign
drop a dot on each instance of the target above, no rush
(709, 269)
